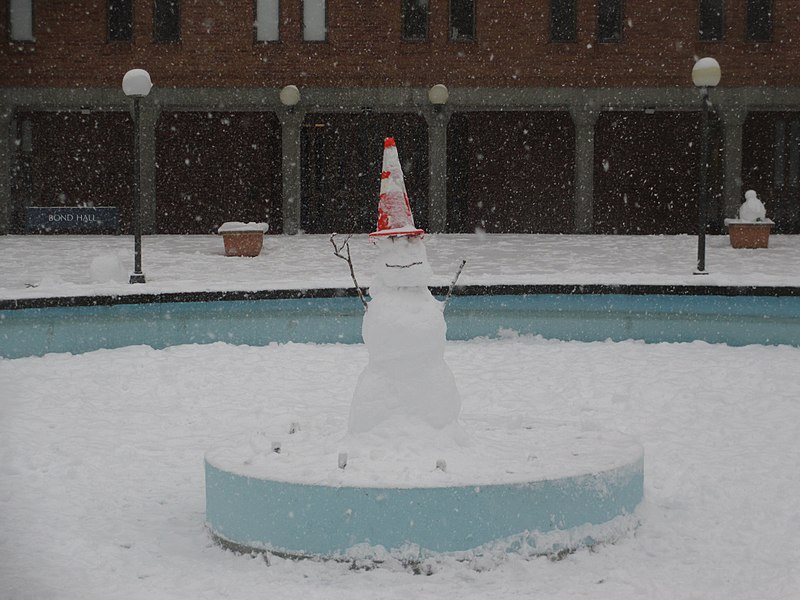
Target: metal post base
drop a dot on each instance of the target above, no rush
(137, 278)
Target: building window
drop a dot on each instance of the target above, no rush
(268, 20)
(712, 20)
(415, 20)
(120, 20)
(21, 20)
(167, 21)
(759, 20)
(609, 20)
(563, 21)
(462, 20)
(315, 27)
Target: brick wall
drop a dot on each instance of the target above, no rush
(364, 49)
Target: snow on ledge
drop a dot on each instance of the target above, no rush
(744, 222)
(239, 227)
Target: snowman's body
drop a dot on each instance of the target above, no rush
(752, 209)
(404, 330)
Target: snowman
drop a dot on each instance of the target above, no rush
(752, 210)
(406, 379)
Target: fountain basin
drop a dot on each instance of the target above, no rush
(85, 324)
(537, 490)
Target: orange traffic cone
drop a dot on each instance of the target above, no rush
(394, 210)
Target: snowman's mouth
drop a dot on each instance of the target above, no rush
(414, 264)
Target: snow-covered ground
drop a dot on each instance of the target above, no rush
(102, 489)
(101, 454)
(36, 266)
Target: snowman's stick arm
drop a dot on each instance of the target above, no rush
(453, 283)
(337, 251)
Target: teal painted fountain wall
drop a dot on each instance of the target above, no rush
(326, 521)
(734, 320)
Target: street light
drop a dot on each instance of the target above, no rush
(705, 74)
(438, 95)
(290, 96)
(136, 84)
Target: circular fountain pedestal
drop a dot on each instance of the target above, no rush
(538, 490)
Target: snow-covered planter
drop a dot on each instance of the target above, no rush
(243, 239)
(746, 234)
(751, 228)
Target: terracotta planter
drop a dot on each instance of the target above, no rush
(243, 239)
(745, 234)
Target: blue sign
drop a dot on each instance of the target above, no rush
(71, 219)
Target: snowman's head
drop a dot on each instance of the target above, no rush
(402, 261)
(750, 195)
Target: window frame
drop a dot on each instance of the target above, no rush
(30, 11)
(572, 25)
(461, 37)
(427, 13)
(111, 39)
(256, 40)
(748, 33)
(178, 37)
(303, 22)
(618, 35)
(722, 21)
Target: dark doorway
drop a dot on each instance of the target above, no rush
(647, 170)
(72, 159)
(771, 165)
(341, 167)
(213, 167)
(510, 172)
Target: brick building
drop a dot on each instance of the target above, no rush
(561, 115)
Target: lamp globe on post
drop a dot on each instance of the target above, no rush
(705, 74)
(290, 96)
(438, 95)
(136, 84)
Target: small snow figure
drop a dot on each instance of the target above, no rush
(752, 209)
(406, 378)
(108, 268)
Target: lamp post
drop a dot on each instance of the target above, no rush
(136, 84)
(438, 96)
(291, 159)
(705, 74)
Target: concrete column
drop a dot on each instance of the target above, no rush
(291, 122)
(437, 120)
(148, 119)
(584, 119)
(732, 195)
(6, 146)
